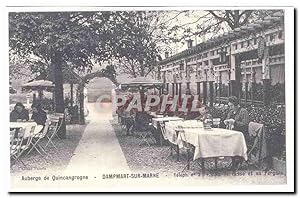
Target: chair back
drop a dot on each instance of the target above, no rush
(45, 129)
(216, 122)
(28, 135)
(53, 125)
(258, 131)
(181, 134)
(163, 129)
(16, 141)
(229, 126)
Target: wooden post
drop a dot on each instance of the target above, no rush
(246, 92)
(173, 89)
(33, 98)
(204, 92)
(198, 90)
(40, 93)
(167, 87)
(179, 91)
(266, 96)
(216, 90)
(211, 93)
(72, 94)
(81, 103)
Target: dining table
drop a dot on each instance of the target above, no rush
(26, 125)
(156, 124)
(208, 142)
(157, 120)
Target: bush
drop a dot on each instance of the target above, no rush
(272, 117)
(47, 104)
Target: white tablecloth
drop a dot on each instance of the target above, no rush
(215, 142)
(27, 126)
(21, 124)
(155, 121)
(171, 127)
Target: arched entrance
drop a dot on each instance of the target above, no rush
(98, 97)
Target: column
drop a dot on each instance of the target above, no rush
(216, 90)
(179, 91)
(198, 90)
(173, 89)
(72, 99)
(234, 76)
(211, 93)
(167, 87)
(204, 92)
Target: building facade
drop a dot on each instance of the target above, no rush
(247, 62)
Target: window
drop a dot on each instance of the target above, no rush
(181, 66)
(235, 46)
(248, 43)
(242, 44)
(255, 41)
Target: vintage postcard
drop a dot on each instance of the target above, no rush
(151, 99)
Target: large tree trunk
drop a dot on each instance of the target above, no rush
(59, 90)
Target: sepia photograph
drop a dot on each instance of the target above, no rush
(115, 99)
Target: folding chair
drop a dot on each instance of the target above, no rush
(189, 150)
(21, 143)
(60, 117)
(52, 130)
(258, 151)
(171, 146)
(129, 125)
(15, 145)
(37, 138)
(145, 134)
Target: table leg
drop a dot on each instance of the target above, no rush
(188, 159)
(202, 166)
(177, 152)
(216, 163)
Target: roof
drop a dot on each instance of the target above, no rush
(39, 83)
(228, 36)
(69, 76)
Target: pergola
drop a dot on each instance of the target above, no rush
(70, 77)
(141, 83)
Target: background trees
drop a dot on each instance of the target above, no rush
(81, 40)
